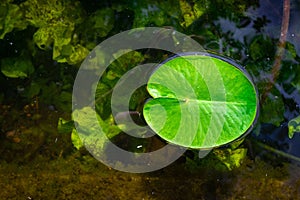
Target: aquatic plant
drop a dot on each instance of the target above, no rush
(88, 134)
(59, 25)
(200, 101)
(56, 21)
(58, 34)
(294, 126)
(64, 27)
(11, 17)
(19, 67)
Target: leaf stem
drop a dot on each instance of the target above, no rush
(280, 48)
(281, 153)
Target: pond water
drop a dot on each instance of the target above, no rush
(43, 44)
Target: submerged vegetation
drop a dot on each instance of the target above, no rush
(43, 43)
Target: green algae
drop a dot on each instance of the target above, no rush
(82, 177)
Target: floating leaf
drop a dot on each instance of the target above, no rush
(294, 126)
(200, 101)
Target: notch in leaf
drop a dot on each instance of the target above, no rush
(201, 100)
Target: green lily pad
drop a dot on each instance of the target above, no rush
(200, 100)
